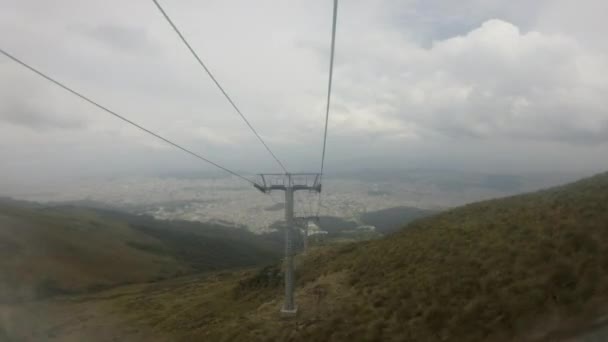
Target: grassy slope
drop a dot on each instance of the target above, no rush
(487, 269)
(51, 253)
(519, 268)
(46, 252)
(514, 268)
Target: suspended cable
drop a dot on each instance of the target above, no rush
(48, 78)
(329, 87)
(217, 83)
(331, 73)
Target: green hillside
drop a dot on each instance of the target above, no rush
(495, 268)
(528, 267)
(62, 250)
(532, 267)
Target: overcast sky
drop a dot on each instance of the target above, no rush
(513, 86)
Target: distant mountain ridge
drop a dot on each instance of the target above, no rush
(391, 220)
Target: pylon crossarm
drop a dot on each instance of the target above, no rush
(260, 187)
(306, 219)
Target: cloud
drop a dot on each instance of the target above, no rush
(25, 103)
(493, 82)
(121, 38)
(450, 83)
(34, 117)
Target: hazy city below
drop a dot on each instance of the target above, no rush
(232, 201)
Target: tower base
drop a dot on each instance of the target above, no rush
(286, 313)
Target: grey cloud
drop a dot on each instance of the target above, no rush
(434, 20)
(493, 82)
(409, 74)
(29, 115)
(122, 38)
(25, 101)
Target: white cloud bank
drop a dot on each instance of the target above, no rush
(493, 82)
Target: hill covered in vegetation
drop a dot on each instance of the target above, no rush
(47, 251)
(519, 266)
(531, 267)
(527, 267)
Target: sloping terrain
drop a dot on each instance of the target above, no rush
(491, 269)
(53, 251)
(525, 268)
(528, 267)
